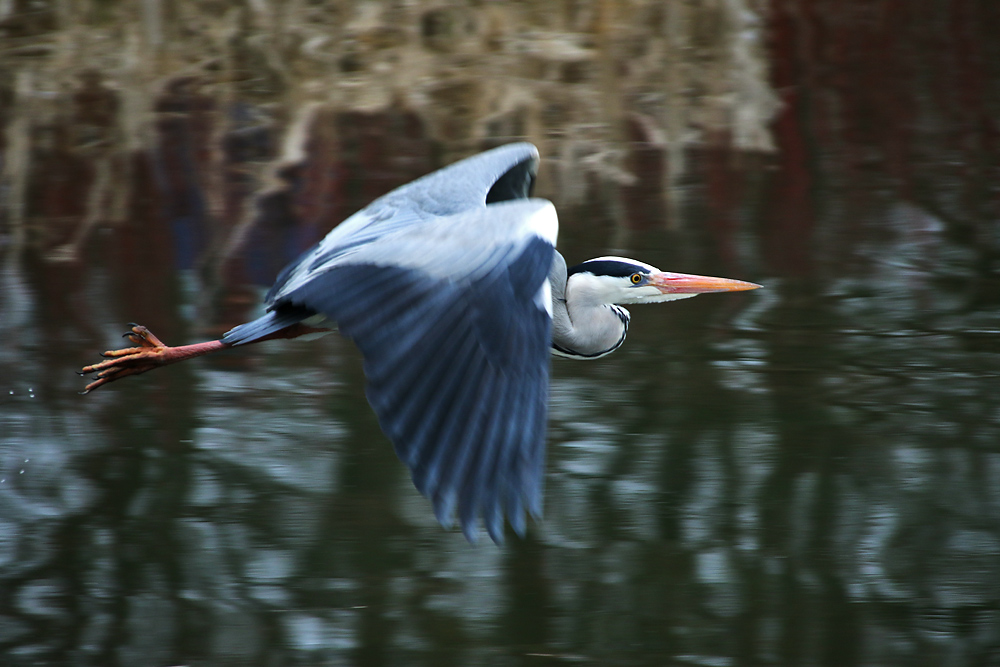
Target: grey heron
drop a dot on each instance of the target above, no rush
(453, 291)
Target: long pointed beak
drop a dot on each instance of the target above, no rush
(683, 283)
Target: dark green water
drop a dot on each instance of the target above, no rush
(808, 474)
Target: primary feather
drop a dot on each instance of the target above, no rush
(452, 289)
(442, 285)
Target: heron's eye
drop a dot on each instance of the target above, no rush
(636, 278)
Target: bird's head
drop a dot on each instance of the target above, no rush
(618, 280)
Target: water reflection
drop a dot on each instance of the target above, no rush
(810, 475)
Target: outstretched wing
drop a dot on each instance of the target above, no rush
(502, 174)
(442, 284)
(453, 320)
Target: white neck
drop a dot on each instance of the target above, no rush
(584, 324)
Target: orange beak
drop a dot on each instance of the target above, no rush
(683, 283)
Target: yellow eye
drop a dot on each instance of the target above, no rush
(636, 278)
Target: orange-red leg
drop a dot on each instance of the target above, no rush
(149, 353)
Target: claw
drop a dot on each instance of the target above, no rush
(149, 353)
(140, 335)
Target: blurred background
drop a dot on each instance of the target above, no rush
(808, 474)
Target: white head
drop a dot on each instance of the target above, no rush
(623, 281)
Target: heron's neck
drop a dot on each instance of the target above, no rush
(583, 327)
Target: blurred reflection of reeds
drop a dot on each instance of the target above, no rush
(226, 101)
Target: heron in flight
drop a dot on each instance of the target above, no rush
(453, 291)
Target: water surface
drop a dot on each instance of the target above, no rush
(805, 474)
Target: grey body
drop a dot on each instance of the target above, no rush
(443, 285)
(453, 291)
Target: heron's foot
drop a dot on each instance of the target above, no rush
(149, 353)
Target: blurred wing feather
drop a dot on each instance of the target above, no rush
(456, 351)
(501, 174)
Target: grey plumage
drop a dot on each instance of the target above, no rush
(452, 289)
(440, 284)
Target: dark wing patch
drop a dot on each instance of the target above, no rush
(516, 183)
(498, 175)
(458, 375)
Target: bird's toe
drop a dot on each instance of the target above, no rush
(142, 336)
(145, 355)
